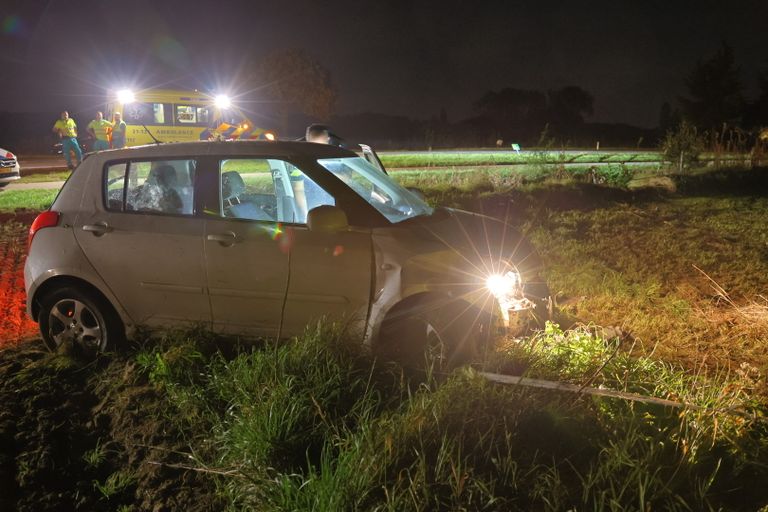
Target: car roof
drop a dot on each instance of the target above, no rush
(234, 148)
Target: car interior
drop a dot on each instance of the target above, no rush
(237, 203)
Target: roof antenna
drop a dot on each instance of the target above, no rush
(150, 134)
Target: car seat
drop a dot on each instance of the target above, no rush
(232, 190)
(286, 206)
(159, 191)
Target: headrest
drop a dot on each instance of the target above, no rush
(163, 175)
(232, 185)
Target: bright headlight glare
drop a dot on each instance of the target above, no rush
(125, 96)
(503, 286)
(223, 101)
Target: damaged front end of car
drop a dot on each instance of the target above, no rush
(473, 278)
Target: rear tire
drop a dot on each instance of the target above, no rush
(79, 318)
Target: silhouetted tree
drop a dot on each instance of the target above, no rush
(668, 118)
(757, 112)
(570, 105)
(298, 82)
(714, 91)
(511, 104)
(566, 109)
(513, 112)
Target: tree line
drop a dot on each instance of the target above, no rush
(714, 104)
(298, 90)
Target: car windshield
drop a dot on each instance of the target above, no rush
(378, 189)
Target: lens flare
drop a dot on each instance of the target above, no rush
(277, 231)
(11, 25)
(170, 51)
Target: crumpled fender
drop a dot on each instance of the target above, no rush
(451, 254)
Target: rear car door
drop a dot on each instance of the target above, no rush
(246, 257)
(146, 241)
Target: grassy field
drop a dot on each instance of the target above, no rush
(426, 159)
(33, 199)
(661, 292)
(469, 158)
(43, 177)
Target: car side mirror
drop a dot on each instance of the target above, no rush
(327, 219)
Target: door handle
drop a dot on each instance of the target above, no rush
(97, 229)
(225, 239)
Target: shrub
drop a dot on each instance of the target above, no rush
(683, 145)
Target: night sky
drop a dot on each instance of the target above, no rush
(400, 57)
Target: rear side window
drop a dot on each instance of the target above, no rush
(155, 186)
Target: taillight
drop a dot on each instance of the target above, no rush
(47, 219)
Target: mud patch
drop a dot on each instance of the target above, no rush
(89, 436)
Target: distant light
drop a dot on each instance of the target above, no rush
(125, 96)
(222, 101)
(269, 136)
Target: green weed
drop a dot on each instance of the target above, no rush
(115, 484)
(35, 199)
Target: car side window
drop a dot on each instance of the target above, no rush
(158, 186)
(268, 189)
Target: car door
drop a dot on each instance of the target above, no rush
(246, 254)
(146, 242)
(330, 273)
(330, 279)
(268, 274)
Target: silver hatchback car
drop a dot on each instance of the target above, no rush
(262, 239)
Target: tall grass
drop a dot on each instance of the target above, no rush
(318, 424)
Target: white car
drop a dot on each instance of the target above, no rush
(263, 238)
(9, 167)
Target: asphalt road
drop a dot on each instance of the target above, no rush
(31, 186)
(38, 164)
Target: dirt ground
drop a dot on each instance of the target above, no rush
(15, 325)
(88, 437)
(68, 431)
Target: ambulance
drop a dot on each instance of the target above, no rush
(169, 115)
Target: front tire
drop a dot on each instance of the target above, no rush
(78, 318)
(435, 334)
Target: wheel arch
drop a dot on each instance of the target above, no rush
(400, 308)
(71, 281)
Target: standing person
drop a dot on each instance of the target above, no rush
(67, 130)
(100, 129)
(306, 192)
(118, 131)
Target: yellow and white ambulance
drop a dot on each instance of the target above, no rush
(170, 115)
